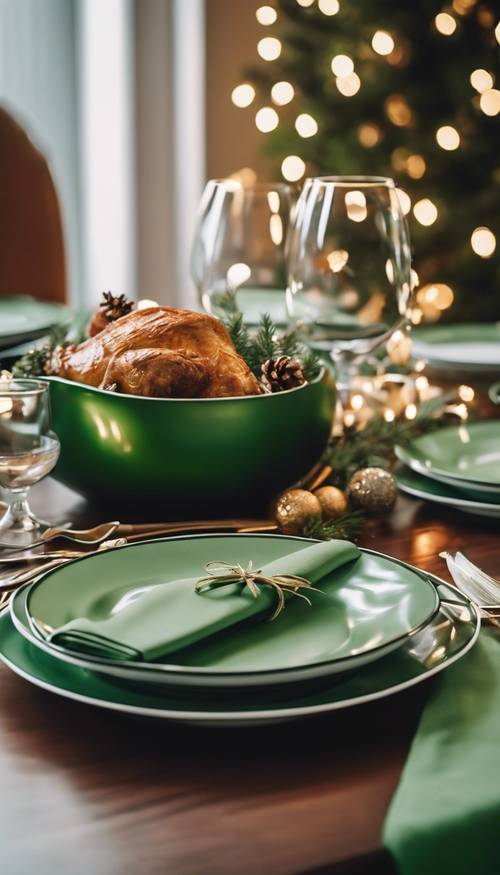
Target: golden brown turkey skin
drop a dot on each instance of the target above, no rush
(201, 362)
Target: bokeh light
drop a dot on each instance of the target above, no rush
(342, 65)
(445, 23)
(425, 211)
(266, 119)
(329, 7)
(404, 200)
(243, 95)
(369, 135)
(448, 138)
(483, 242)
(269, 48)
(382, 42)
(266, 15)
(293, 168)
(348, 85)
(415, 166)
(490, 102)
(282, 93)
(306, 125)
(481, 80)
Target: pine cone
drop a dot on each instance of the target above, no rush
(110, 309)
(282, 373)
(115, 306)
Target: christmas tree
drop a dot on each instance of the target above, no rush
(399, 89)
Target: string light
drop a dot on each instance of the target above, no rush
(355, 203)
(448, 138)
(435, 298)
(483, 242)
(342, 65)
(411, 411)
(266, 15)
(398, 110)
(293, 168)
(466, 393)
(329, 7)
(425, 212)
(282, 93)
(382, 42)
(269, 48)
(243, 95)
(481, 80)
(337, 260)
(276, 229)
(266, 119)
(490, 102)
(389, 415)
(305, 3)
(445, 23)
(415, 166)
(369, 135)
(497, 32)
(348, 85)
(306, 125)
(273, 199)
(404, 200)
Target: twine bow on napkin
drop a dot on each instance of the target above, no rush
(221, 573)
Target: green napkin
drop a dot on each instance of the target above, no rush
(157, 621)
(445, 815)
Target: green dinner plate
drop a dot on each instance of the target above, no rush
(441, 493)
(23, 318)
(448, 637)
(467, 456)
(367, 608)
(253, 303)
(474, 348)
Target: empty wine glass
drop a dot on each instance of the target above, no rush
(28, 451)
(349, 267)
(239, 247)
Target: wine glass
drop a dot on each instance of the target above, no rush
(349, 267)
(239, 247)
(28, 451)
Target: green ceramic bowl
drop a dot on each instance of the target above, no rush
(188, 458)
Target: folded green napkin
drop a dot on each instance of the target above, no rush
(171, 615)
(445, 815)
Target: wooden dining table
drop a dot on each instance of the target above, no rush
(84, 790)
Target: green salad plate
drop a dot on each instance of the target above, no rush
(468, 348)
(441, 493)
(23, 318)
(366, 608)
(465, 456)
(447, 638)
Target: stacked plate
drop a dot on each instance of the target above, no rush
(469, 349)
(458, 466)
(377, 626)
(23, 319)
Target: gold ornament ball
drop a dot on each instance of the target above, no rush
(293, 508)
(333, 502)
(372, 490)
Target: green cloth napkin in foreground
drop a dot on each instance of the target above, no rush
(172, 615)
(444, 818)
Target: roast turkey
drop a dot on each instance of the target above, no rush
(162, 352)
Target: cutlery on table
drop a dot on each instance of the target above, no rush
(13, 581)
(480, 587)
(135, 531)
(81, 536)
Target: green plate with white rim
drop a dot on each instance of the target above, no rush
(447, 638)
(367, 608)
(465, 456)
(441, 493)
(23, 318)
(472, 348)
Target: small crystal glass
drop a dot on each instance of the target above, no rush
(28, 452)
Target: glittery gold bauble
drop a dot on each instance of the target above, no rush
(333, 502)
(372, 490)
(293, 508)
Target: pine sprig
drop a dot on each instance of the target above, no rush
(347, 527)
(374, 444)
(267, 342)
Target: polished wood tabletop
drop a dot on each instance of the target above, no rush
(89, 791)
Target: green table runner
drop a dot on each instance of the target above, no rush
(444, 818)
(171, 615)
